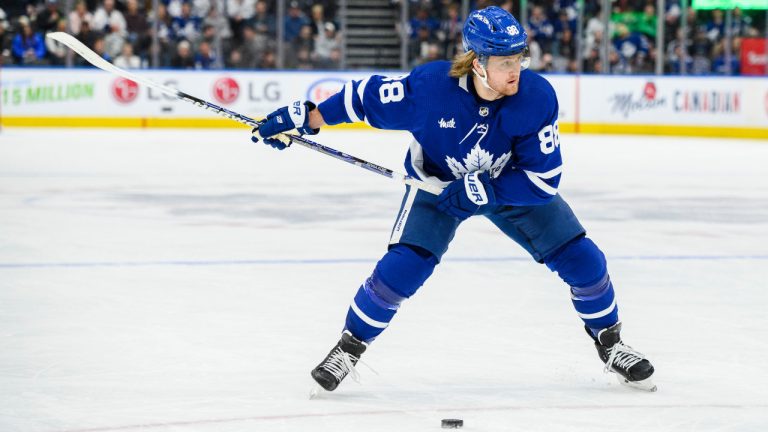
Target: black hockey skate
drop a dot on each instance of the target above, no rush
(632, 368)
(338, 363)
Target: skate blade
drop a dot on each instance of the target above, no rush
(645, 385)
(316, 392)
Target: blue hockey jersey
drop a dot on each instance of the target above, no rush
(516, 138)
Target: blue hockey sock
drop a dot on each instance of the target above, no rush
(397, 276)
(582, 265)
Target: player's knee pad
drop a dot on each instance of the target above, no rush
(582, 266)
(580, 263)
(401, 271)
(397, 276)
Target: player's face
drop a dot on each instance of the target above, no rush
(504, 73)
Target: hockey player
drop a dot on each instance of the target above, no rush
(485, 129)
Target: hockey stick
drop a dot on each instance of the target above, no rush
(102, 64)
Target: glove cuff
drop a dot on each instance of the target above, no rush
(475, 189)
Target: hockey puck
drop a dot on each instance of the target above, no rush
(451, 423)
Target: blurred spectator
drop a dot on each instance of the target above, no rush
(204, 58)
(5, 41)
(28, 47)
(248, 55)
(333, 61)
(48, 19)
(450, 29)
(294, 21)
(183, 58)
(432, 53)
(57, 51)
(219, 23)
(647, 21)
(239, 12)
(244, 36)
(716, 26)
(135, 21)
(164, 49)
(107, 16)
(31, 14)
(86, 36)
(423, 20)
(200, 8)
(79, 15)
(326, 43)
(536, 54)
(631, 49)
(262, 20)
(419, 48)
(186, 26)
(541, 28)
(302, 59)
(268, 61)
(304, 41)
(742, 25)
(127, 59)
(318, 19)
(113, 42)
(721, 65)
(99, 48)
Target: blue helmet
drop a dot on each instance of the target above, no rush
(493, 32)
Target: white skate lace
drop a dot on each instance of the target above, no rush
(622, 356)
(340, 363)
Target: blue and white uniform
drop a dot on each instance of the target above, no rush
(455, 132)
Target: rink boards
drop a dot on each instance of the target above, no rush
(693, 106)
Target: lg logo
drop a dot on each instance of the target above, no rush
(124, 90)
(226, 90)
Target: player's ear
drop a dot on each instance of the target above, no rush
(476, 65)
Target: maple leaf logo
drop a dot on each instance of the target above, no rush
(476, 160)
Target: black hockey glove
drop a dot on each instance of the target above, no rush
(463, 197)
(293, 116)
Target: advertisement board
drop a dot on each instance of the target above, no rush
(653, 104)
(738, 106)
(754, 56)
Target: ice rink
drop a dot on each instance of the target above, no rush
(188, 280)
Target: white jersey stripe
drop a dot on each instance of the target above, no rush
(536, 178)
(417, 163)
(366, 319)
(600, 314)
(361, 93)
(348, 93)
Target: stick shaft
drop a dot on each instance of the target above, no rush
(102, 64)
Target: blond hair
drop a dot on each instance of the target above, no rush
(462, 64)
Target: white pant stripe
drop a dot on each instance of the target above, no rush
(366, 319)
(402, 218)
(600, 314)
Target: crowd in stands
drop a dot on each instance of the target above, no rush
(242, 34)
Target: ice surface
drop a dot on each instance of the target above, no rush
(189, 280)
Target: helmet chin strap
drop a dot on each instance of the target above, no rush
(484, 80)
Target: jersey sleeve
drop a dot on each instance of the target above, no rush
(534, 175)
(382, 102)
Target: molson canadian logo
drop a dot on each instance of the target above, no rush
(631, 102)
(124, 90)
(707, 101)
(226, 90)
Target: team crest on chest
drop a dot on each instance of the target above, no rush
(478, 158)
